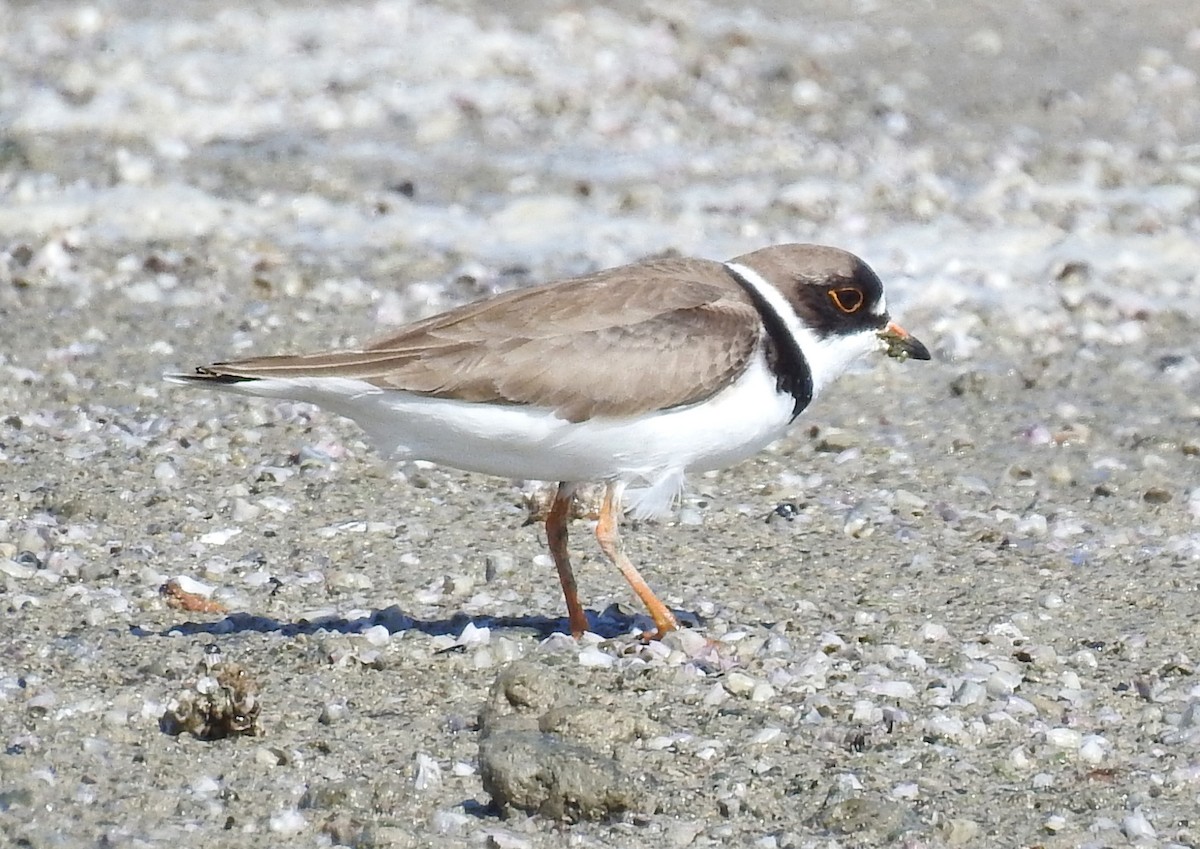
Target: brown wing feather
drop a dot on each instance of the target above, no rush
(608, 344)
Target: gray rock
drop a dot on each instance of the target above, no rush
(522, 692)
(597, 726)
(539, 773)
(858, 814)
(360, 795)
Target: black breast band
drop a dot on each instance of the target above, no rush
(793, 375)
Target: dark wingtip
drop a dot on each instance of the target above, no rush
(206, 374)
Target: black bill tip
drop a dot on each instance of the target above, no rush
(902, 345)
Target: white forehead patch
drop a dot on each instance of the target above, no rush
(880, 307)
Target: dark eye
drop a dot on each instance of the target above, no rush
(847, 300)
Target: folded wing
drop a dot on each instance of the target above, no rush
(608, 344)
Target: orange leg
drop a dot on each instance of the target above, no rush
(556, 535)
(608, 536)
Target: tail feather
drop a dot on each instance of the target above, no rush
(342, 396)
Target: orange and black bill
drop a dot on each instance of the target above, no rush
(902, 345)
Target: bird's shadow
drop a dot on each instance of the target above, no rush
(609, 623)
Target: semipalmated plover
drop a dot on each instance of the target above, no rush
(634, 375)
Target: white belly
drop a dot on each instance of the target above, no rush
(534, 443)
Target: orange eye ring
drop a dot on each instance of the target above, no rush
(848, 300)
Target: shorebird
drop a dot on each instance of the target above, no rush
(633, 375)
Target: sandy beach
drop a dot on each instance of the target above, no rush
(956, 606)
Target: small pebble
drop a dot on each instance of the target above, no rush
(288, 822)
(910, 501)
(507, 840)
(450, 822)
(1156, 495)
(691, 643)
(906, 790)
(473, 636)
(219, 537)
(1054, 823)
(716, 695)
(762, 692)
(932, 632)
(1093, 749)
(332, 713)
(1064, 738)
(681, 834)
(244, 511)
(205, 785)
(190, 585)
(427, 772)
(1033, 525)
(1137, 827)
(892, 689)
(377, 635)
(20, 571)
(767, 735)
(594, 657)
(267, 756)
(1002, 683)
(498, 563)
(960, 831)
(739, 683)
